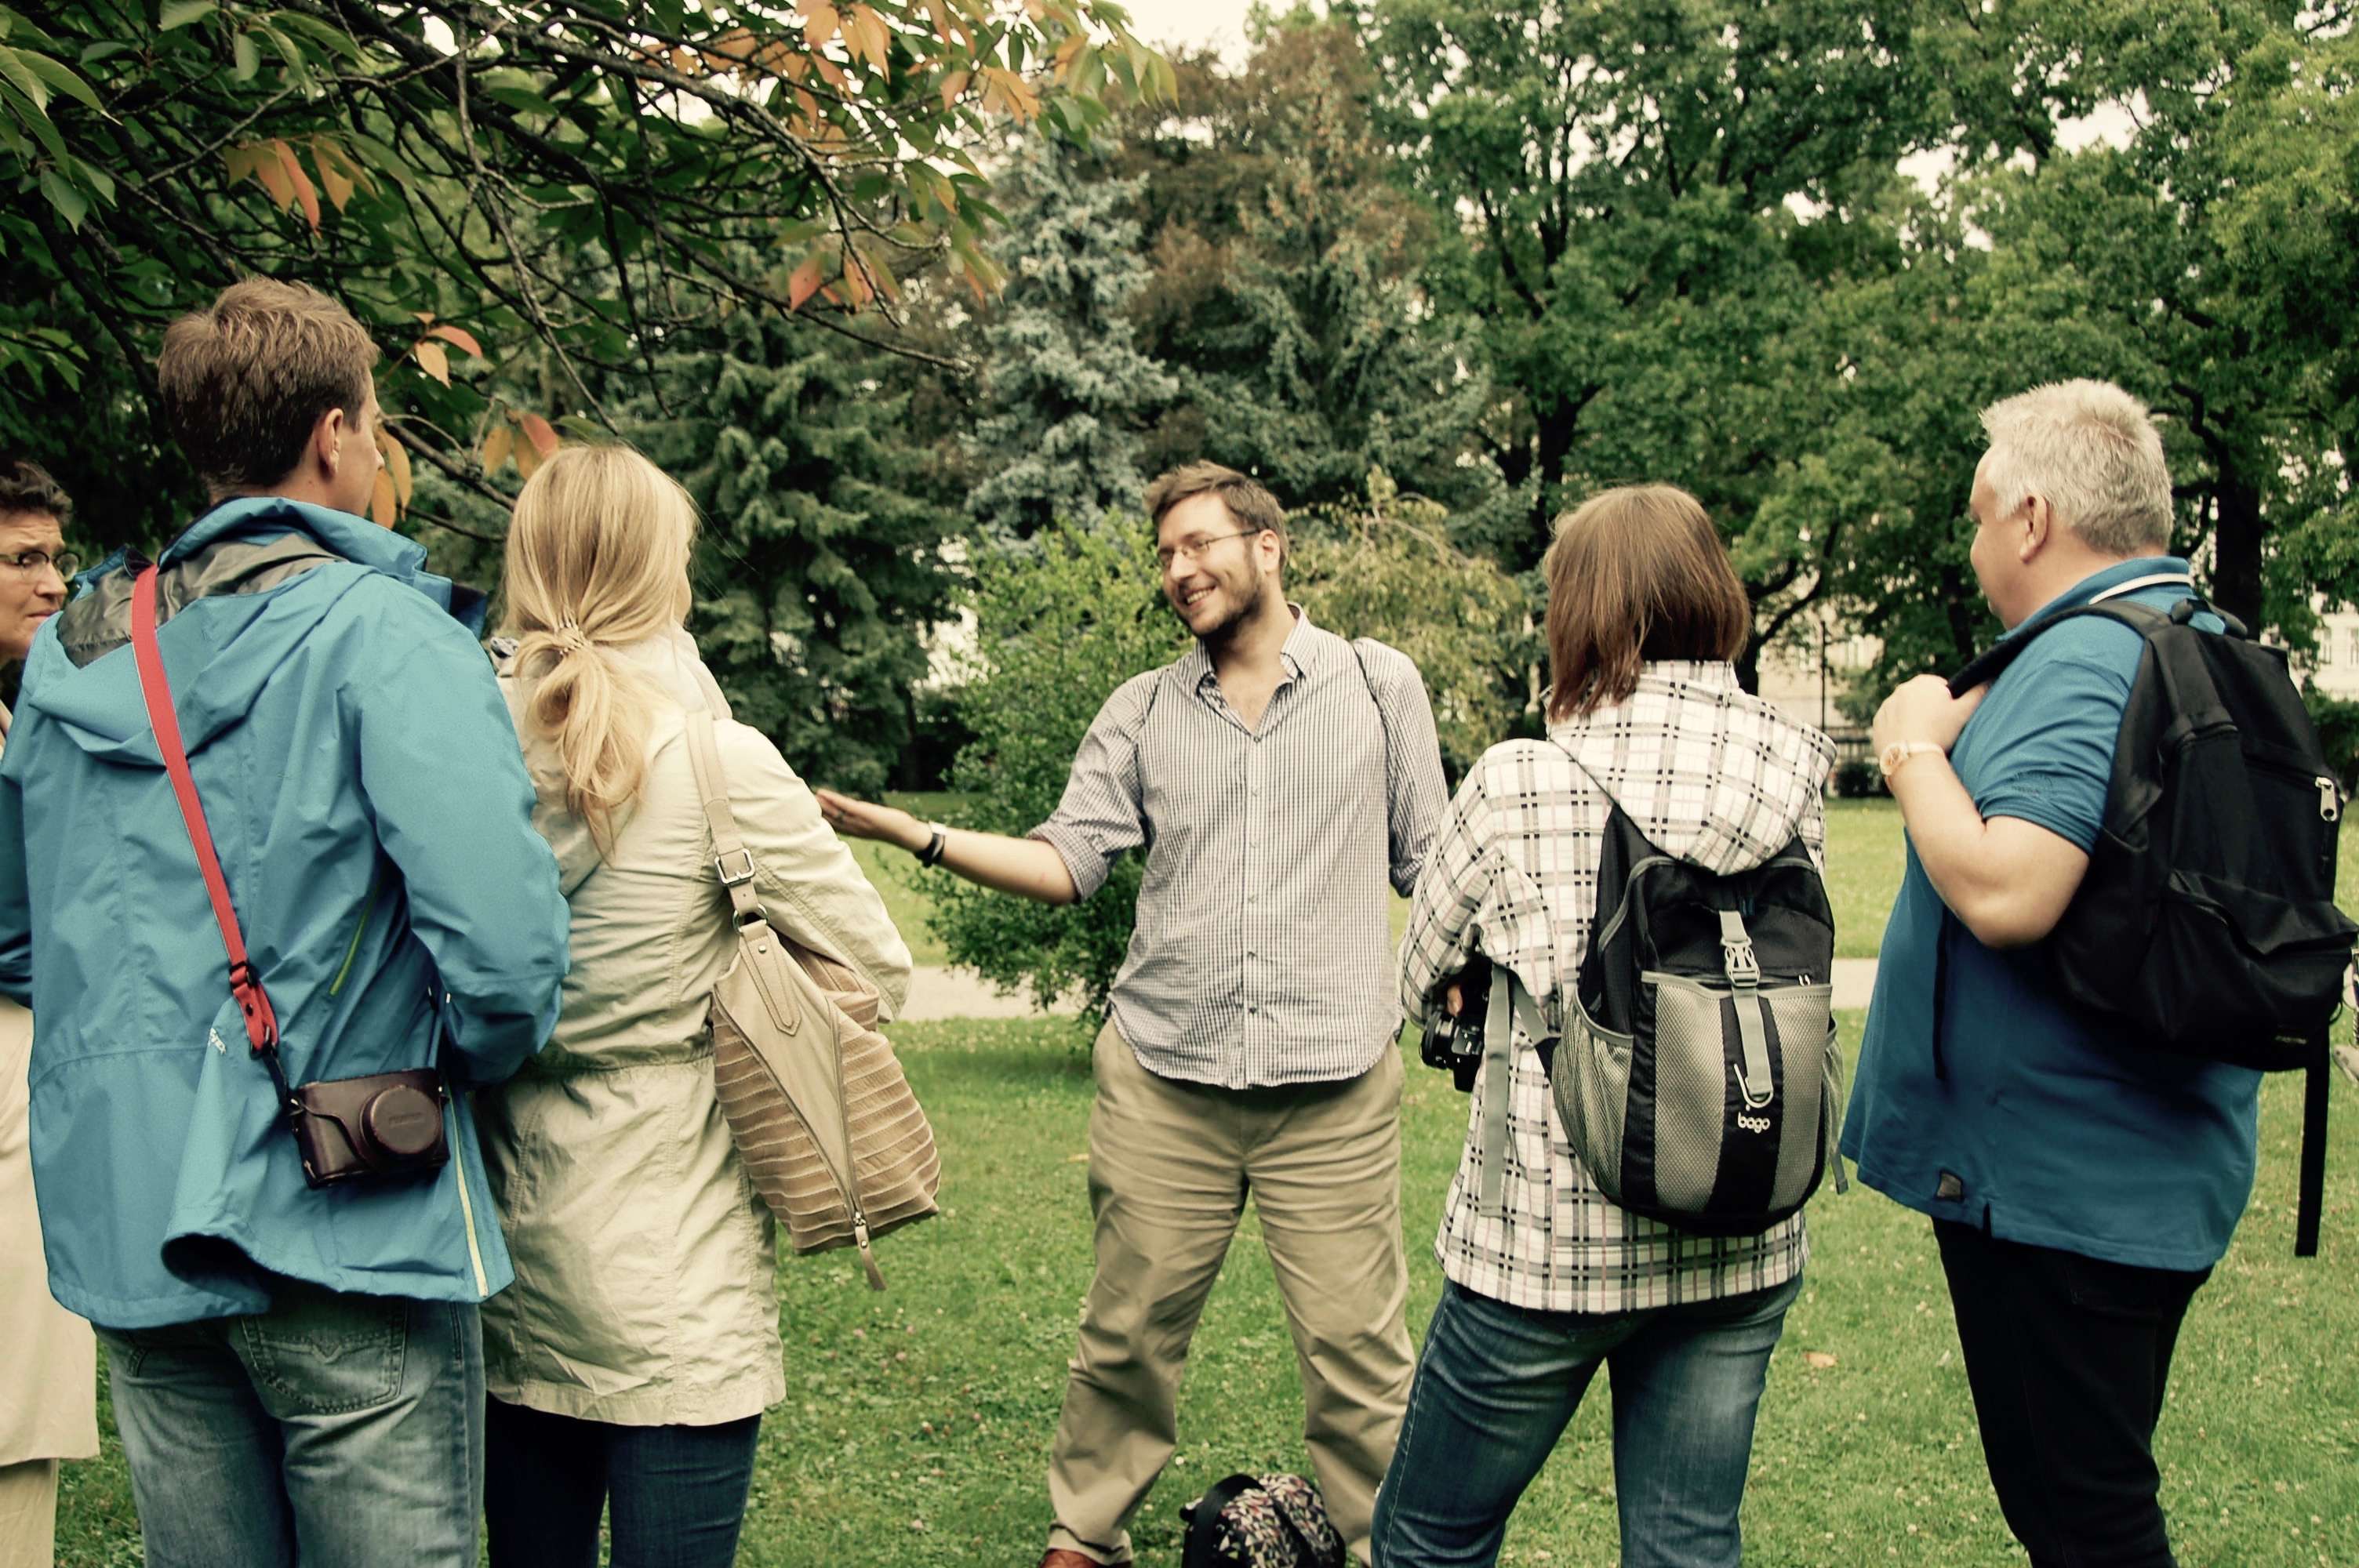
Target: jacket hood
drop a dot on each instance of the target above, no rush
(266, 570)
(1690, 720)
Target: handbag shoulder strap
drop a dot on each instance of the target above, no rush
(244, 985)
(730, 859)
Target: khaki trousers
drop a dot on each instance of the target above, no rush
(28, 1514)
(1170, 1163)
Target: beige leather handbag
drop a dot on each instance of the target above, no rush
(824, 1120)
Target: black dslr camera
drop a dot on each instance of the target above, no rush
(1456, 1043)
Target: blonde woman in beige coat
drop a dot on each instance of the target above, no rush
(629, 1364)
(48, 1360)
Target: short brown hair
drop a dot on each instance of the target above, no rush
(26, 487)
(245, 379)
(1248, 502)
(1636, 574)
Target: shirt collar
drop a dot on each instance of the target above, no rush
(2098, 583)
(1300, 654)
(1668, 678)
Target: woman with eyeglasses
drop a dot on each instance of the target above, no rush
(48, 1375)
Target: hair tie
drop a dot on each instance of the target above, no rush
(571, 638)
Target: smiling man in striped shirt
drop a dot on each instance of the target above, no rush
(1280, 778)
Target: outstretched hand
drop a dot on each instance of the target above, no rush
(866, 819)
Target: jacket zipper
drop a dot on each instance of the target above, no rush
(467, 1208)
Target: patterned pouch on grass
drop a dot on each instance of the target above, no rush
(1261, 1522)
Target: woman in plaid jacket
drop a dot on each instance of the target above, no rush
(1645, 614)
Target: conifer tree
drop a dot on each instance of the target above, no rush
(820, 566)
(1064, 389)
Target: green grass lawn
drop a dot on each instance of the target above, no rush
(917, 1423)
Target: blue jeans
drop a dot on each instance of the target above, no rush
(1497, 1384)
(330, 1429)
(677, 1493)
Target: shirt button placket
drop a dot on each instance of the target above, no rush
(1257, 911)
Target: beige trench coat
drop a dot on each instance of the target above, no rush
(48, 1360)
(644, 1293)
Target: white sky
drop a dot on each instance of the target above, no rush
(1217, 22)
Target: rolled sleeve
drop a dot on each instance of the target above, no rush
(1102, 815)
(1415, 793)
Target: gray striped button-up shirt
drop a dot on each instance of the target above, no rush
(1263, 950)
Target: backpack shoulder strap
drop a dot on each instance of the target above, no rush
(1987, 666)
(1383, 723)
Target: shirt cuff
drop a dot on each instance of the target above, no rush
(1084, 861)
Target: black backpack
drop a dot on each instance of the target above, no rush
(2206, 923)
(1696, 1075)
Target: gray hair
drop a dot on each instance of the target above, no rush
(2092, 452)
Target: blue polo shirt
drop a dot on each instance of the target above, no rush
(2049, 1129)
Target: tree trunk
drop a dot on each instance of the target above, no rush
(1557, 423)
(2236, 548)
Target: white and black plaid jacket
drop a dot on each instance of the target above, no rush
(1706, 773)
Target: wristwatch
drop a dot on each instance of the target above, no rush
(931, 855)
(1894, 756)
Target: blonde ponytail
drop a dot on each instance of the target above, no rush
(597, 558)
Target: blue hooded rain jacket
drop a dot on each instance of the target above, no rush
(369, 803)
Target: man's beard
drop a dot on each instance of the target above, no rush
(1226, 627)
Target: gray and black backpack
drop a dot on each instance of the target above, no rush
(1696, 1075)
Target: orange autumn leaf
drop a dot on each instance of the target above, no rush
(382, 510)
(495, 446)
(869, 38)
(397, 464)
(299, 183)
(819, 22)
(540, 433)
(434, 360)
(803, 284)
(460, 336)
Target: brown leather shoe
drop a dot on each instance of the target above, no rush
(1059, 1557)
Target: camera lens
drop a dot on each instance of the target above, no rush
(404, 1121)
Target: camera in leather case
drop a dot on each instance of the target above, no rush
(386, 1124)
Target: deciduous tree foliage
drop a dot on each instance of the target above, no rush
(443, 167)
(1286, 293)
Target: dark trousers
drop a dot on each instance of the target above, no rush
(2067, 1357)
(678, 1493)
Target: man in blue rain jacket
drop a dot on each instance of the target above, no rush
(297, 1373)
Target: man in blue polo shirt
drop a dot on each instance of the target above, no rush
(2080, 1189)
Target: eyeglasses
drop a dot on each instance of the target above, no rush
(1195, 549)
(28, 563)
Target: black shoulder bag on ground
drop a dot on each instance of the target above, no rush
(2206, 925)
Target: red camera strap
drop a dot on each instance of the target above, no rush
(244, 985)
